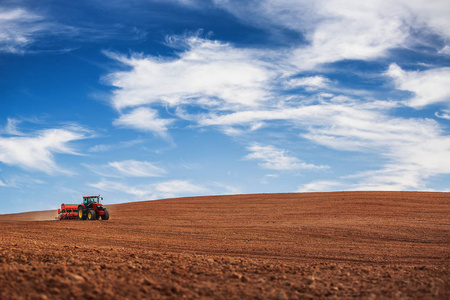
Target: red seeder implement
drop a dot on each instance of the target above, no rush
(68, 211)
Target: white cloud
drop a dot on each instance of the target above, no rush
(444, 114)
(410, 151)
(414, 149)
(136, 168)
(277, 159)
(36, 151)
(310, 83)
(166, 189)
(208, 73)
(176, 187)
(11, 127)
(445, 50)
(429, 87)
(432, 16)
(21, 181)
(144, 119)
(105, 185)
(337, 30)
(99, 148)
(265, 179)
(392, 178)
(218, 188)
(320, 186)
(120, 145)
(334, 30)
(21, 30)
(127, 168)
(313, 114)
(18, 28)
(362, 30)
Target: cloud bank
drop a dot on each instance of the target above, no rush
(243, 90)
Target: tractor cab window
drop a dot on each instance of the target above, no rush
(90, 200)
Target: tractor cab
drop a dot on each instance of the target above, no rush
(90, 199)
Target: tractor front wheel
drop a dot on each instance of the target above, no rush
(91, 215)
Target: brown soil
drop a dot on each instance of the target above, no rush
(366, 245)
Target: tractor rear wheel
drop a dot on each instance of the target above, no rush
(106, 215)
(91, 215)
(81, 213)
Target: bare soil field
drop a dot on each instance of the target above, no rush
(363, 245)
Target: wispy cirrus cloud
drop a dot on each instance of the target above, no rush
(120, 145)
(18, 28)
(338, 30)
(127, 168)
(277, 159)
(165, 189)
(100, 148)
(20, 181)
(309, 83)
(23, 30)
(36, 151)
(11, 127)
(137, 168)
(2, 184)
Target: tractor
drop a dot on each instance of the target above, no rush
(92, 209)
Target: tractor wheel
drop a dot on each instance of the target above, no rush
(106, 215)
(81, 213)
(91, 215)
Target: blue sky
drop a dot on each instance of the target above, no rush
(150, 99)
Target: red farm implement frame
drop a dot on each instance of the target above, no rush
(68, 211)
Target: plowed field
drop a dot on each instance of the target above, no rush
(370, 245)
